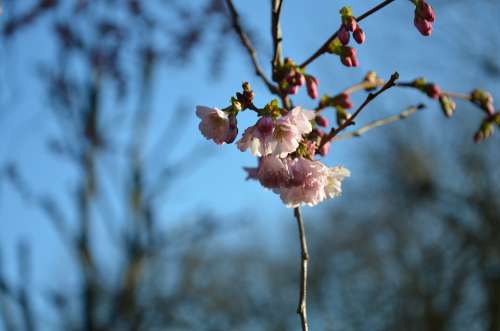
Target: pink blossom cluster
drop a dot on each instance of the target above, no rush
(285, 143)
(424, 17)
(299, 180)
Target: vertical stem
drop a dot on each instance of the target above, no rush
(302, 306)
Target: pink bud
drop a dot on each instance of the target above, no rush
(293, 89)
(423, 26)
(300, 79)
(323, 151)
(312, 86)
(425, 11)
(359, 35)
(321, 121)
(350, 23)
(343, 35)
(433, 91)
(346, 61)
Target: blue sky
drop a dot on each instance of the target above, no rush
(217, 184)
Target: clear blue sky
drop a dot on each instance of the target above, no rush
(217, 185)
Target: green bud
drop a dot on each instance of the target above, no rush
(448, 106)
(346, 11)
(342, 115)
(335, 46)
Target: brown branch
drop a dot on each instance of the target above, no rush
(324, 48)
(276, 33)
(302, 306)
(350, 121)
(245, 40)
(381, 122)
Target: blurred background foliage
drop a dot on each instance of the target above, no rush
(413, 245)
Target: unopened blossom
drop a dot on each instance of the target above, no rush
(359, 35)
(278, 137)
(312, 86)
(216, 125)
(342, 100)
(321, 121)
(343, 35)
(424, 17)
(348, 57)
(324, 149)
(350, 23)
(433, 91)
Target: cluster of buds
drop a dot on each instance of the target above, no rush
(347, 54)
(484, 101)
(291, 77)
(341, 103)
(487, 127)
(349, 25)
(285, 143)
(424, 17)
(447, 104)
(432, 90)
(339, 44)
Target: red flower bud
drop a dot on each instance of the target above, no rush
(433, 91)
(351, 24)
(343, 35)
(312, 86)
(321, 121)
(323, 151)
(359, 35)
(425, 27)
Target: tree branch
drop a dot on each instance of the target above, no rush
(245, 40)
(350, 121)
(381, 122)
(302, 306)
(324, 48)
(276, 33)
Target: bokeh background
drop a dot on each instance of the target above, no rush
(116, 214)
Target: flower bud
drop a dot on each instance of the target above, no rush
(350, 23)
(323, 150)
(425, 11)
(424, 17)
(359, 35)
(342, 116)
(448, 106)
(485, 131)
(342, 100)
(312, 86)
(432, 90)
(343, 35)
(321, 121)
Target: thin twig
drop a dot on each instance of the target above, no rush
(245, 40)
(381, 122)
(350, 121)
(302, 306)
(324, 48)
(276, 33)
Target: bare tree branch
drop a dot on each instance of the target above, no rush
(302, 306)
(276, 33)
(381, 122)
(350, 121)
(235, 20)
